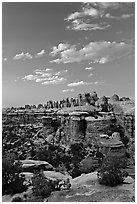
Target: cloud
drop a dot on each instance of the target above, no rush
(47, 77)
(88, 68)
(91, 11)
(99, 83)
(78, 24)
(121, 17)
(73, 16)
(48, 70)
(109, 5)
(40, 54)
(91, 74)
(30, 77)
(54, 80)
(59, 48)
(5, 59)
(60, 73)
(79, 83)
(95, 52)
(67, 90)
(23, 56)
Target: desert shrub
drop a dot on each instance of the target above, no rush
(77, 151)
(12, 182)
(41, 185)
(74, 170)
(111, 173)
(55, 155)
(89, 164)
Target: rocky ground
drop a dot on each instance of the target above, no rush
(86, 188)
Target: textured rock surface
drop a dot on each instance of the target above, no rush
(55, 175)
(30, 165)
(86, 189)
(9, 198)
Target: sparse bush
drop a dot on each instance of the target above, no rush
(111, 173)
(41, 185)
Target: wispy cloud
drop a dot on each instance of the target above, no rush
(23, 56)
(79, 24)
(47, 77)
(95, 52)
(121, 17)
(79, 83)
(67, 90)
(40, 54)
(83, 83)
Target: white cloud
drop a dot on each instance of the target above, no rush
(96, 82)
(88, 68)
(54, 80)
(91, 74)
(59, 48)
(30, 77)
(102, 6)
(67, 90)
(123, 16)
(79, 83)
(99, 83)
(95, 52)
(23, 56)
(47, 76)
(48, 70)
(5, 59)
(98, 10)
(62, 72)
(73, 16)
(90, 11)
(40, 54)
(78, 24)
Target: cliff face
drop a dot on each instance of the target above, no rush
(77, 127)
(128, 122)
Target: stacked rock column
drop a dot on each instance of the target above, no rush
(48, 125)
(77, 128)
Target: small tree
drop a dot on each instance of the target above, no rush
(41, 185)
(111, 173)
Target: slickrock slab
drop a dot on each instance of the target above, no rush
(30, 165)
(56, 175)
(86, 188)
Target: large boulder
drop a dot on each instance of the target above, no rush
(31, 165)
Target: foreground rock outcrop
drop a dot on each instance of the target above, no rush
(31, 165)
(85, 188)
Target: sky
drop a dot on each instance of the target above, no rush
(54, 50)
